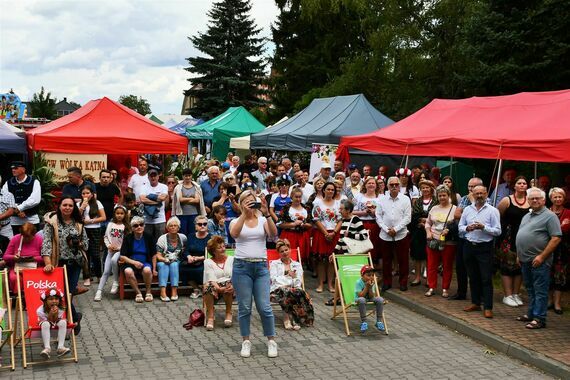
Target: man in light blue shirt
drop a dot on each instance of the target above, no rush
(480, 223)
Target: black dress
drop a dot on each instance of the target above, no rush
(418, 234)
(506, 253)
(194, 271)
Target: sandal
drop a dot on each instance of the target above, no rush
(148, 297)
(319, 290)
(330, 302)
(139, 298)
(288, 325)
(445, 294)
(296, 327)
(416, 283)
(535, 324)
(210, 325)
(524, 318)
(429, 293)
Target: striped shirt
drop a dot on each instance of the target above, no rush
(355, 230)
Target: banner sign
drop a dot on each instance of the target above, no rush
(321, 154)
(34, 283)
(88, 163)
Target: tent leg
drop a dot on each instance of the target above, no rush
(407, 158)
(497, 184)
(536, 174)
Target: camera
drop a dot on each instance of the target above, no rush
(73, 241)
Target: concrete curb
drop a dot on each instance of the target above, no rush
(515, 350)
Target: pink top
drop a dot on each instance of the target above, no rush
(33, 248)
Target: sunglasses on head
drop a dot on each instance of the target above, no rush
(138, 225)
(202, 224)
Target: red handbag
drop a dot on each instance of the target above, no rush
(196, 318)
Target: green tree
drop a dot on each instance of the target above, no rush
(518, 46)
(312, 38)
(135, 103)
(232, 69)
(43, 105)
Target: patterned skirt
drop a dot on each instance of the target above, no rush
(297, 303)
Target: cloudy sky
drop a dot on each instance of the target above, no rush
(87, 49)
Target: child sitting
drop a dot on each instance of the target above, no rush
(365, 291)
(50, 314)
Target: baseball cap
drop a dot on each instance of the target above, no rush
(153, 169)
(326, 165)
(352, 166)
(284, 178)
(225, 165)
(17, 164)
(365, 269)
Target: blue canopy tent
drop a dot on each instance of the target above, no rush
(180, 128)
(324, 121)
(10, 142)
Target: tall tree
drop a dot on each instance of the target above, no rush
(43, 105)
(311, 40)
(518, 46)
(135, 103)
(232, 71)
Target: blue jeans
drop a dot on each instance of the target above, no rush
(251, 280)
(166, 271)
(536, 282)
(73, 272)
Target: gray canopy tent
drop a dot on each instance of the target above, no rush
(324, 121)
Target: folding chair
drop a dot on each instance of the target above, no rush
(30, 286)
(347, 270)
(7, 336)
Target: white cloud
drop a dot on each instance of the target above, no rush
(86, 49)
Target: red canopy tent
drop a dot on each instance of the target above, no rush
(529, 126)
(105, 127)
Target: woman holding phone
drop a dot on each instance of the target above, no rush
(250, 276)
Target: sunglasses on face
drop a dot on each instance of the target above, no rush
(394, 185)
(170, 183)
(138, 225)
(202, 224)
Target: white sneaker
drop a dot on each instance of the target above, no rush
(510, 301)
(245, 349)
(518, 299)
(98, 296)
(272, 349)
(114, 287)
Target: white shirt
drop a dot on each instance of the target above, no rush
(160, 188)
(250, 244)
(308, 190)
(87, 217)
(394, 213)
(213, 272)
(280, 279)
(33, 200)
(361, 202)
(414, 192)
(137, 183)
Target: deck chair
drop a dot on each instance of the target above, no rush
(347, 270)
(7, 336)
(30, 286)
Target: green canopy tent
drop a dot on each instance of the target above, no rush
(234, 122)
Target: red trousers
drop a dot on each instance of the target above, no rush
(434, 257)
(402, 248)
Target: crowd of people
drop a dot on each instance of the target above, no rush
(179, 229)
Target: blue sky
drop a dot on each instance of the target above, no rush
(84, 49)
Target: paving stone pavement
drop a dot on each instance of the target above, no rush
(124, 340)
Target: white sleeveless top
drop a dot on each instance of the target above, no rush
(251, 241)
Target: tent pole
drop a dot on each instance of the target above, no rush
(535, 173)
(451, 167)
(497, 184)
(406, 165)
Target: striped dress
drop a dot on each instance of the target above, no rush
(356, 231)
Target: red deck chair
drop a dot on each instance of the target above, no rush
(30, 286)
(272, 254)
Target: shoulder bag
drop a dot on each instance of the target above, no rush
(354, 246)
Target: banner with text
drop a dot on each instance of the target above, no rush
(88, 163)
(321, 154)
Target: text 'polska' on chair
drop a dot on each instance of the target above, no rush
(31, 284)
